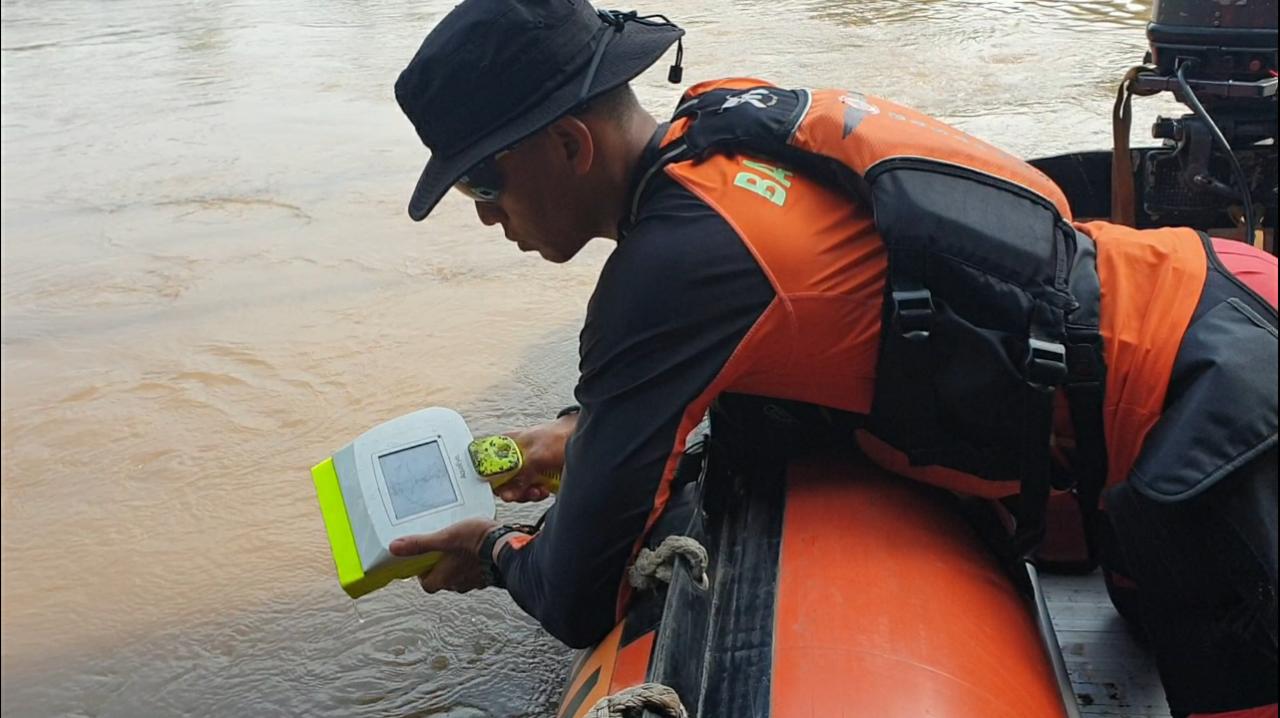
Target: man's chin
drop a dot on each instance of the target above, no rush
(543, 252)
(555, 256)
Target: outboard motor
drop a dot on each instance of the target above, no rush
(1218, 57)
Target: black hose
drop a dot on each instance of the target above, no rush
(1194, 103)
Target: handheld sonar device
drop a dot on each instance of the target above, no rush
(416, 474)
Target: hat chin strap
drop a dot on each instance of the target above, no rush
(616, 21)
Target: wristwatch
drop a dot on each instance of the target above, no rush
(570, 409)
(495, 534)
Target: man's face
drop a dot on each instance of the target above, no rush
(537, 206)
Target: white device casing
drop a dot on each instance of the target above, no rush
(374, 524)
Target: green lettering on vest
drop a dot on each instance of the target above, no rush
(771, 189)
(779, 175)
(768, 189)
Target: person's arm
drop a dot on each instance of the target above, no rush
(673, 303)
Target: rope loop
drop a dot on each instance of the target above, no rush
(628, 702)
(654, 567)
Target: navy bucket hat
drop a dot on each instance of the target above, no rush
(496, 71)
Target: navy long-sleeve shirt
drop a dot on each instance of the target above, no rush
(673, 301)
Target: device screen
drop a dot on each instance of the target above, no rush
(417, 479)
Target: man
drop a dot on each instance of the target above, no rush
(736, 273)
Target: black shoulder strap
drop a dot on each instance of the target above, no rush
(1086, 387)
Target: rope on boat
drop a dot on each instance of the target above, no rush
(653, 567)
(1122, 190)
(654, 697)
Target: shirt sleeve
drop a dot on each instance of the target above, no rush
(672, 304)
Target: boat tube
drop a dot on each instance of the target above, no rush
(835, 590)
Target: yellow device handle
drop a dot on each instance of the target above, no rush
(498, 458)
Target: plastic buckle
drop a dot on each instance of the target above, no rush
(1046, 363)
(913, 313)
(1084, 364)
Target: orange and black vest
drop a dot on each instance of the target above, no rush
(992, 300)
(991, 297)
(893, 268)
(835, 249)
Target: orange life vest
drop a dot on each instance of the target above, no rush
(979, 307)
(935, 284)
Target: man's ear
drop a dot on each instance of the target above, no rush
(574, 143)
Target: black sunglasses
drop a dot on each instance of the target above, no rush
(483, 182)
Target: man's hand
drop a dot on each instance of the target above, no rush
(459, 569)
(543, 449)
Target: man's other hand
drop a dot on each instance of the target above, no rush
(542, 447)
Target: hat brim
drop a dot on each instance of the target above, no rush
(629, 53)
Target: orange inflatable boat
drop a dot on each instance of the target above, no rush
(841, 591)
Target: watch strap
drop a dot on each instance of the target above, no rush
(487, 562)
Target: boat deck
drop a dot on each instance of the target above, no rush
(1113, 675)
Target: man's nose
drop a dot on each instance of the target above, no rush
(489, 213)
